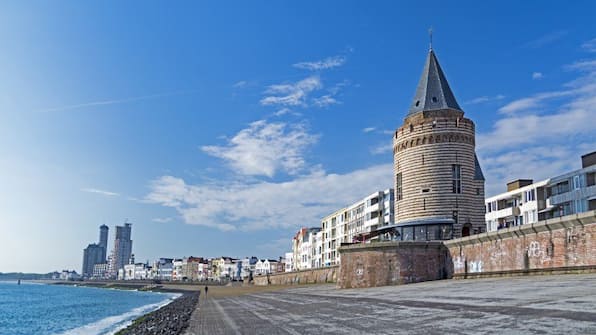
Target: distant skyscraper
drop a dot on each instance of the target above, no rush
(92, 255)
(103, 240)
(122, 248)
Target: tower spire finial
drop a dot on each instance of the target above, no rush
(430, 36)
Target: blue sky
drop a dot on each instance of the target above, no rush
(221, 128)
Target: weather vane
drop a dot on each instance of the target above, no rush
(430, 35)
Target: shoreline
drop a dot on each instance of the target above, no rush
(171, 318)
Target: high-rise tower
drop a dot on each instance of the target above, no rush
(439, 186)
(103, 240)
(122, 248)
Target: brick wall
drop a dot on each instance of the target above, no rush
(566, 244)
(313, 276)
(391, 263)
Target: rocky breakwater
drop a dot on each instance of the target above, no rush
(171, 319)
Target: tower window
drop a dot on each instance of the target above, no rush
(434, 99)
(456, 178)
(398, 187)
(417, 103)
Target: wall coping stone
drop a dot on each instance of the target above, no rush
(301, 271)
(568, 221)
(357, 247)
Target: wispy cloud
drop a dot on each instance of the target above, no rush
(232, 205)
(537, 75)
(102, 192)
(291, 94)
(240, 84)
(264, 148)
(590, 45)
(533, 101)
(483, 99)
(368, 129)
(546, 39)
(542, 135)
(327, 63)
(113, 101)
(325, 101)
(161, 220)
(382, 148)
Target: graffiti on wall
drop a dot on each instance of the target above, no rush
(475, 266)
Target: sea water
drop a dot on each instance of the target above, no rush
(63, 309)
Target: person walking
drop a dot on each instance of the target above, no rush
(206, 289)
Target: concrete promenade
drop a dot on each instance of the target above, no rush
(518, 305)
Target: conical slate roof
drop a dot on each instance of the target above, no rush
(433, 90)
(478, 175)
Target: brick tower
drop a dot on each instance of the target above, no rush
(439, 185)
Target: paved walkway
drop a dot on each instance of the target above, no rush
(522, 305)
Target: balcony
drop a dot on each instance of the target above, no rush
(506, 212)
(581, 193)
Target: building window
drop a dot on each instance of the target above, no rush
(398, 187)
(456, 177)
(576, 182)
(529, 196)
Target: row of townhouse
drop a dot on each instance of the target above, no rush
(318, 246)
(527, 201)
(201, 269)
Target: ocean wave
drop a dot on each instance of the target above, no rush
(112, 324)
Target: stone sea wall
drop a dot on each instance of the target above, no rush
(313, 276)
(391, 263)
(561, 245)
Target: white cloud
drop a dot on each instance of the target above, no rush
(382, 148)
(325, 100)
(537, 75)
(265, 148)
(162, 220)
(327, 63)
(537, 163)
(102, 192)
(538, 137)
(303, 201)
(484, 99)
(546, 39)
(368, 129)
(282, 112)
(293, 94)
(240, 84)
(590, 45)
(532, 102)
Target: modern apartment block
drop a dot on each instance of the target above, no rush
(122, 251)
(103, 240)
(528, 202)
(95, 253)
(92, 255)
(307, 248)
(343, 226)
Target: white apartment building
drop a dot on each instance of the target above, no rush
(519, 205)
(303, 244)
(345, 225)
(333, 235)
(265, 266)
(528, 202)
(289, 261)
(177, 269)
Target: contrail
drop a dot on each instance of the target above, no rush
(114, 101)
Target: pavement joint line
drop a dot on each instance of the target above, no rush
(226, 317)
